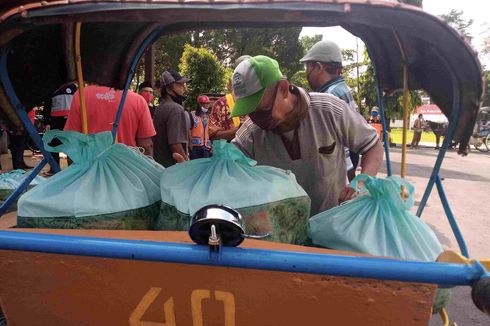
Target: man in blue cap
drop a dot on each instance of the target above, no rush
(305, 133)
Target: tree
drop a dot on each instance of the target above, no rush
(299, 79)
(455, 18)
(308, 41)
(207, 74)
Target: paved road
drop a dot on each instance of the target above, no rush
(466, 181)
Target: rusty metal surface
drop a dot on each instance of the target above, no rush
(112, 31)
(77, 290)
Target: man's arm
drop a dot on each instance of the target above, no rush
(178, 134)
(361, 138)
(371, 160)
(370, 163)
(147, 145)
(224, 134)
(178, 149)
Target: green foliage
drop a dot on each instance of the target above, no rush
(227, 45)
(168, 51)
(207, 74)
(455, 17)
(308, 41)
(299, 79)
(281, 44)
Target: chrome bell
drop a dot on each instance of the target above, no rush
(217, 225)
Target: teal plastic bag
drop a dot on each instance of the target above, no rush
(109, 186)
(9, 181)
(269, 199)
(378, 222)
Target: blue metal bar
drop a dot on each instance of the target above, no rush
(273, 260)
(132, 70)
(23, 186)
(21, 113)
(389, 170)
(451, 219)
(445, 144)
(385, 131)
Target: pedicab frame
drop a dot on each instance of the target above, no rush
(404, 53)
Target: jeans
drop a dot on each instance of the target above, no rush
(200, 152)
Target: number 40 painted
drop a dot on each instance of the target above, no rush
(197, 297)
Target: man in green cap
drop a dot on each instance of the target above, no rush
(305, 133)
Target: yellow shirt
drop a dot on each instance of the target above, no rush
(230, 101)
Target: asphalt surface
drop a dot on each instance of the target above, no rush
(466, 181)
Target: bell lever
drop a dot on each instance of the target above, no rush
(257, 237)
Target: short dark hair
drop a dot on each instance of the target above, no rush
(144, 84)
(333, 68)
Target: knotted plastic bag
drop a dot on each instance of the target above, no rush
(109, 186)
(378, 222)
(9, 181)
(269, 199)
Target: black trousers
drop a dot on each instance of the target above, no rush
(17, 146)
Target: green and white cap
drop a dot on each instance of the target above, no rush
(249, 81)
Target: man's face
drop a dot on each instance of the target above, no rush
(147, 95)
(206, 105)
(313, 69)
(179, 88)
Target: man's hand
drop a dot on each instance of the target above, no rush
(178, 158)
(213, 130)
(347, 193)
(47, 127)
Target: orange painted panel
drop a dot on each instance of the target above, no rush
(49, 289)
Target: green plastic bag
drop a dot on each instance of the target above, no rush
(9, 181)
(269, 199)
(109, 186)
(378, 222)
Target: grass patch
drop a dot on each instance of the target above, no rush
(427, 136)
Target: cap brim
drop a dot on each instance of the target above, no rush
(183, 80)
(245, 105)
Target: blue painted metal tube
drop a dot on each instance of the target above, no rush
(389, 170)
(23, 186)
(132, 70)
(20, 109)
(21, 113)
(285, 261)
(385, 131)
(451, 219)
(445, 144)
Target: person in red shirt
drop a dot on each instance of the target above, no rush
(136, 126)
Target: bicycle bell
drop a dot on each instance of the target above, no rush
(217, 224)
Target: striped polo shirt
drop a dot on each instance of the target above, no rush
(329, 126)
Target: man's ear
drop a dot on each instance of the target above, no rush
(283, 88)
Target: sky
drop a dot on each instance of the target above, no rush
(478, 10)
